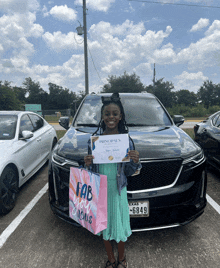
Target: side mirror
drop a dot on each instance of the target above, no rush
(178, 120)
(26, 135)
(64, 122)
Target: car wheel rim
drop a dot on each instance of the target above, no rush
(9, 189)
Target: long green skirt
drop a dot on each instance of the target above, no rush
(118, 227)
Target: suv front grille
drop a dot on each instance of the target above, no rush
(62, 185)
(155, 175)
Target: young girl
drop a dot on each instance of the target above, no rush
(118, 227)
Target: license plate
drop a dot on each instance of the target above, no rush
(139, 209)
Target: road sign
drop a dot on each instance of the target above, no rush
(36, 108)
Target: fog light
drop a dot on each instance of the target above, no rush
(198, 205)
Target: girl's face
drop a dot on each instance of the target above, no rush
(111, 116)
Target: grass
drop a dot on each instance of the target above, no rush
(195, 118)
(54, 119)
(51, 119)
(189, 131)
(60, 133)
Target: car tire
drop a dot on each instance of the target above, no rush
(8, 190)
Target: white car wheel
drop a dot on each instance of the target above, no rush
(8, 189)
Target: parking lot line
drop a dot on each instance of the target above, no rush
(213, 203)
(15, 223)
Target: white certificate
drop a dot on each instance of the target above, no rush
(110, 148)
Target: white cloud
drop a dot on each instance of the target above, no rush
(45, 11)
(215, 27)
(114, 48)
(202, 23)
(130, 9)
(143, 69)
(14, 33)
(63, 13)
(126, 46)
(59, 41)
(164, 55)
(19, 5)
(99, 5)
(126, 28)
(62, 75)
(203, 53)
(190, 81)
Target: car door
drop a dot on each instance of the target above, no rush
(210, 137)
(28, 150)
(43, 131)
(216, 139)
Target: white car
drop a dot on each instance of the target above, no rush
(26, 141)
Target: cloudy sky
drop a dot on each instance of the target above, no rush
(38, 39)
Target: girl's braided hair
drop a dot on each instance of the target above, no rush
(115, 99)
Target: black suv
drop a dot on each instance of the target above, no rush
(173, 177)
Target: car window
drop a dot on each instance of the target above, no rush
(139, 110)
(215, 119)
(217, 122)
(37, 121)
(144, 111)
(90, 111)
(25, 124)
(7, 127)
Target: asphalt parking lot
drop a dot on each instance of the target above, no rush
(32, 236)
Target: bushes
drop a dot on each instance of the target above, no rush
(196, 111)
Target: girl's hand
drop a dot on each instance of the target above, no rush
(134, 155)
(88, 160)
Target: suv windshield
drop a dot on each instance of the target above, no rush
(139, 111)
(7, 127)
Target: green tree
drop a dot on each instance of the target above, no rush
(36, 94)
(124, 83)
(54, 96)
(208, 94)
(60, 98)
(186, 97)
(8, 100)
(20, 94)
(163, 91)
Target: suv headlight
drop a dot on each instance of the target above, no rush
(194, 161)
(60, 161)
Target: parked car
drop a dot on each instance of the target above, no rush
(207, 134)
(173, 177)
(26, 141)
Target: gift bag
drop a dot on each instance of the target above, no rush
(88, 199)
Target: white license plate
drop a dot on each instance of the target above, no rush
(139, 209)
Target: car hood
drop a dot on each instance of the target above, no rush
(150, 142)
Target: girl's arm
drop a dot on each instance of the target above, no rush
(134, 165)
(88, 160)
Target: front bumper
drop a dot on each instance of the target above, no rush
(158, 219)
(172, 207)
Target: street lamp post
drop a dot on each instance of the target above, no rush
(85, 49)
